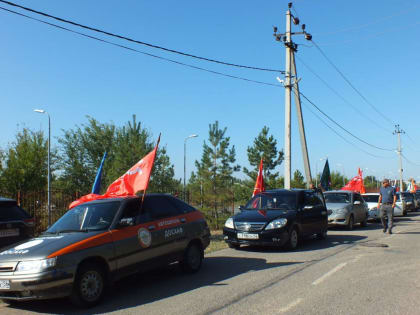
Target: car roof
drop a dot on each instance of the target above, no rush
(370, 194)
(127, 198)
(280, 190)
(340, 191)
(2, 199)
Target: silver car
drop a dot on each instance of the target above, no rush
(346, 208)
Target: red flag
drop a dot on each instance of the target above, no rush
(134, 180)
(259, 184)
(356, 183)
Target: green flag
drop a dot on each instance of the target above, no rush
(326, 177)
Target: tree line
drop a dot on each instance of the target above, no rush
(214, 185)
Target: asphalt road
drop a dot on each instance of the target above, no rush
(351, 272)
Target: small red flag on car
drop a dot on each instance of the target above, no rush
(259, 184)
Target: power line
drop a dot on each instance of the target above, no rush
(341, 127)
(138, 41)
(356, 27)
(415, 164)
(140, 52)
(340, 96)
(349, 83)
(342, 137)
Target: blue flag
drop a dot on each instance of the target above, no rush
(96, 188)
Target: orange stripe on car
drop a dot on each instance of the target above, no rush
(117, 235)
(93, 241)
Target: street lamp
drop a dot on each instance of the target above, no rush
(185, 159)
(41, 111)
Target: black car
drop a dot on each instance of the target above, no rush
(15, 223)
(278, 217)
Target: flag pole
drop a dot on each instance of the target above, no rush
(154, 158)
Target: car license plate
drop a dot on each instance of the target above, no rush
(4, 284)
(247, 236)
(9, 232)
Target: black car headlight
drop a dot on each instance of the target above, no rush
(276, 224)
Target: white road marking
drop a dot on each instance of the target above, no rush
(329, 273)
(357, 258)
(290, 306)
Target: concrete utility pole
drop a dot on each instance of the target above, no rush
(304, 147)
(398, 132)
(290, 49)
(287, 107)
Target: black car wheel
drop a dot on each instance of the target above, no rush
(234, 246)
(322, 235)
(193, 257)
(89, 286)
(293, 241)
(351, 223)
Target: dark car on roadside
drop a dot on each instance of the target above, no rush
(417, 199)
(15, 223)
(279, 217)
(101, 241)
(407, 201)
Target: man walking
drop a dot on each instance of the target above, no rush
(388, 198)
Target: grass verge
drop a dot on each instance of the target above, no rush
(216, 242)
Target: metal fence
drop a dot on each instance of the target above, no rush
(36, 204)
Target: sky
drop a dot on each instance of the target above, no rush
(374, 44)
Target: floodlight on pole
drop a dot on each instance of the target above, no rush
(185, 160)
(41, 111)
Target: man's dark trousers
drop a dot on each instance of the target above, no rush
(387, 210)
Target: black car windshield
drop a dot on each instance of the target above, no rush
(337, 198)
(86, 217)
(284, 201)
(371, 198)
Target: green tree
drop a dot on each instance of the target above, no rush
(264, 146)
(215, 170)
(82, 150)
(371, 182)
(337, 180)
(298, 180)
(25, 163)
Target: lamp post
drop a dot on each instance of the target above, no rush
(41, 111)
(185, 160)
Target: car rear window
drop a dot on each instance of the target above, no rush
(371, 198)
(10, 212)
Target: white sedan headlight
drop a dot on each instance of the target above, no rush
(36, 265)
(276, 224)
(229, 223)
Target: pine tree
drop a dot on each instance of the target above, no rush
(215, 170)
(264, 146)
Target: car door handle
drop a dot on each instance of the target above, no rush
(151, 227)
(183, 220)
(323, 212)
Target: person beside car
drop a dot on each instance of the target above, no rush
(388, 198)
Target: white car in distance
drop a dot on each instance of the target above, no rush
(372, 201)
